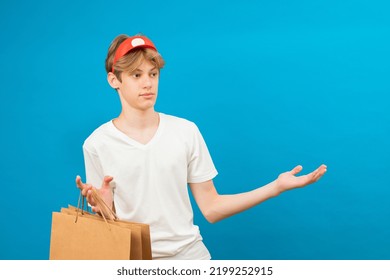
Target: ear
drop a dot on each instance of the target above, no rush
(113, 80)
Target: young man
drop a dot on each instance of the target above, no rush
(144, 160)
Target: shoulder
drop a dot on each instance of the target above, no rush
(178, 122)
(175, 120)
(98, 136)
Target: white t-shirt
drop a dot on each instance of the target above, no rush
(150, 181)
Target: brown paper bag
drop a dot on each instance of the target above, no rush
(78, 235)
(140, 234)
(87, 239)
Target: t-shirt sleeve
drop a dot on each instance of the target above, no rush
(200, 167)
(93, 168)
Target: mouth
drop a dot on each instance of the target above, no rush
(148, 94)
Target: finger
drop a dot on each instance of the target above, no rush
(296, 169)
(316, 176)
(86, 189)
(90, 200)
(315, 173)
(106, 182)
(79, 183)
(319, 172)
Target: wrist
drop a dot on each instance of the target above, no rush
(275, 188)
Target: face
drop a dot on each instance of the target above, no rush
(138, 90)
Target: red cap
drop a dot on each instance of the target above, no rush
(130, 44)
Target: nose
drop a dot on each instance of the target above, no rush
(147, 82)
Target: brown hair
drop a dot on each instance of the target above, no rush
(129, 62)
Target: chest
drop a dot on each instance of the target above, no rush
(143, 136)
(166, 155)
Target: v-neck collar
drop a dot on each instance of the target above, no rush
(135, 143)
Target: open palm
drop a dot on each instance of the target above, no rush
(288, 180)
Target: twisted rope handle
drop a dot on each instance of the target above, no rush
(105, 211)
(81, 200)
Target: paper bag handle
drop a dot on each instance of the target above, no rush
(105, 211)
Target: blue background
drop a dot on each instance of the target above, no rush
(271, 84)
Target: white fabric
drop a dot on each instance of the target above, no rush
(150, 181)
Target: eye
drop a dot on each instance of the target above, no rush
(136, 75)
(154, 74)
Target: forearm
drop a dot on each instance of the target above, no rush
(216, 207)
(223, 206)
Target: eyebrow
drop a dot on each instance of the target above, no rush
(139, 70)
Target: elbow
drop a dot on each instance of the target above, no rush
(211, 220)
(213, 212)
(212, 217)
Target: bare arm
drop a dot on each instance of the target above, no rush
(216, 207)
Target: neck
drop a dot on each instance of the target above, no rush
(138, 119)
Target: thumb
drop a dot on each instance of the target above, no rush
(296, 169)
(106, 182)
